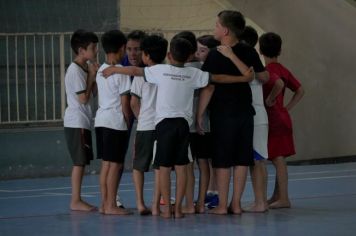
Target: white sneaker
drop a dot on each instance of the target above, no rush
(118, 202)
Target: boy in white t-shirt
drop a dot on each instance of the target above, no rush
(174, 105)
(79, 86)
(112, 122)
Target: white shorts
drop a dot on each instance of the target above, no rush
(260, 139)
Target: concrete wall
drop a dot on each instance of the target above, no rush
(318, 47)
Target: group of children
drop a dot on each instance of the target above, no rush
(210, 99)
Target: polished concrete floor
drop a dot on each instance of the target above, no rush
(323, 198)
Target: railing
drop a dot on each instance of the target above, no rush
(32, 69)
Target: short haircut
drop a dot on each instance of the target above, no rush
(136, 35)
(249, 36)
(180, 49)
(233, 20)
(190, 36)
(156, 47)
(208, 41)
(112, 41)
(270, 44)
(82, 39)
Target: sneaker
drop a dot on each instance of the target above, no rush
(173, 201)
(214, 202)
(208, 198)
(118, 202)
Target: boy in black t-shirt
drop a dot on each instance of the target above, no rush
(231, 111)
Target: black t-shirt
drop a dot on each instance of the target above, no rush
(235, 97)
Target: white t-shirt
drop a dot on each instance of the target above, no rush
(109, 113)
(206, 121)
(175, 90)
(77, 115)
(147, 94)
(257, 102)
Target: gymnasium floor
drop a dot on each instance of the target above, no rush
(323, 198)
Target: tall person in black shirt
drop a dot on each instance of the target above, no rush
(231, 111)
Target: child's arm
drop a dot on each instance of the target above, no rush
(84, 97)
(248, 74)
(127, 70)
(135, 105)
(204, 99)
(125, 103)
(277, 89)
(228, 79)
(298, 94)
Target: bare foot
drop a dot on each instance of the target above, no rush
(199, 209)
(167, 212)
(188, 210)
(218, 211)
(256, 208)
(116, 211)
(82, 206)
(280, 204)
(145, 211)
(178, 215)
(234, 210)
(271, 200)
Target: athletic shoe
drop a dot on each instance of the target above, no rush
(118, 202)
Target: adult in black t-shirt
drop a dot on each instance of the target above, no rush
(231, 111)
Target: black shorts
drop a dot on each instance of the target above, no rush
(200, 146)
(79, 144)
(111, 144)
(232, 140)
(172, 142)
(143, 154)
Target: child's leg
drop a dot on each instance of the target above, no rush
(113, 181)
(181, 180)
(189, 192)
(212, 181)
(156, 195)
(274, 196)
(103, 188)
(77, 204)
(239, 182)
(282, 177)
(259, 184)
(204, 175)
(165, 187)
(223, 180)
(139, 178)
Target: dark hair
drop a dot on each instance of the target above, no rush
(137, 35)
(233, 20)
(180, 49)
(112, 41)
(156, 47)
(249, 36)
(82, 39)
(270, 44)
(208, 41)
(190, 36)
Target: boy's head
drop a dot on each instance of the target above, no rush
(180, 49)
(154, 48)
(270, 44)
(249, 36)
(190, 36)
(114, 41)
(205, 43)
(84, 43)
(133, 47)
(229, 23)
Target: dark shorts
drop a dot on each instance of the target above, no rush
(200, 146)
(232, 139)
(111, 144)
(172, 142)
(143, 154)
(79, 144)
